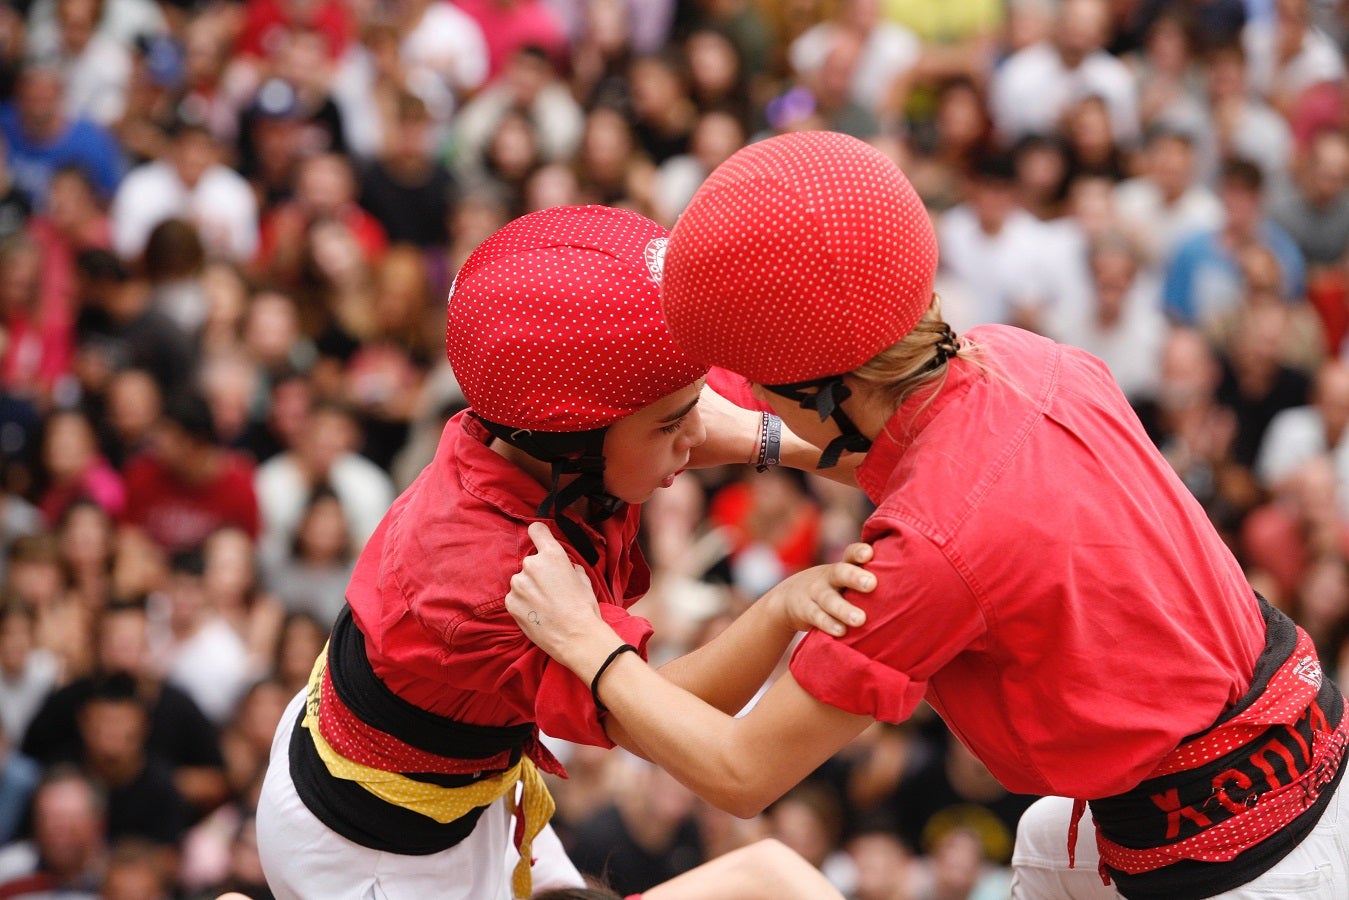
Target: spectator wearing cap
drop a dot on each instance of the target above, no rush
(96, 67)
(42, 138)
(271, 141)
(1059, 72)
(187, 485)
(189, 183)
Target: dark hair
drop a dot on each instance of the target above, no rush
(190, 412)
(113, 687)
(101, 266)
(1242, 173)
(994, 168)
(586, 893)
(14, 608)
(173, 250)
(190, 562)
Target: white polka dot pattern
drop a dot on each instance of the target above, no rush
(554, 322)
(801, 256)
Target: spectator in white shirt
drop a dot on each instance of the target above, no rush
(888, 52)
(1303, 433)
(1123, 325)
(1288, 55)
(1164, 204)
(1013, 266)
(1033, 88)
(189, 183)
(97, 69)
(324, 455)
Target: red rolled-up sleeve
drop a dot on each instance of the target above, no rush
(564, 708)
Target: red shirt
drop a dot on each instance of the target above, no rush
(180, 516)
(429, 593)
(1045, 580)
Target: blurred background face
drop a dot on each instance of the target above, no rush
(39, 100)
(229, 564)
(20, 267)
(16, 642)
(69, 449)
(123, 644)
(77, 20)
(87, 537)
(66, 826)
(113, 732)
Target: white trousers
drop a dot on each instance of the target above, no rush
(1316, 869)
(303, 858)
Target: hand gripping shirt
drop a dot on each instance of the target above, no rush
(429, 594)
(1045, 581)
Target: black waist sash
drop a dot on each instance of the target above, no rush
(355, 813)
(1214, 792)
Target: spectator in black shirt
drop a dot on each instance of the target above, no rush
(178, 732)
(406, 189)
(113, 723)
(119, 328)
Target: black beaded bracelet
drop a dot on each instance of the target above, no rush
(770, 443)
(595, 682)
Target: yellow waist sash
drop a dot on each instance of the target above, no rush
(443, 804)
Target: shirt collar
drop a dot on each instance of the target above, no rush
(904, 427)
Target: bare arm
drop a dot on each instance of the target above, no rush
(733, 438)
(719, 757)
(765, 870)
(727, 671)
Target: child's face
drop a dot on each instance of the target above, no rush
(647, 449)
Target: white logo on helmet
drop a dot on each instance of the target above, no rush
(655, 258)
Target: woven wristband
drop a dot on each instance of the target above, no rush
(770, 447)
(595, 682)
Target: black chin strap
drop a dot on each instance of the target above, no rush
(827, 400)
(579, 453)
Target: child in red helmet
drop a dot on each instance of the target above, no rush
(396, 772)
(1045, 580)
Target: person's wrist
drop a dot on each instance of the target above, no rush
(610, 658)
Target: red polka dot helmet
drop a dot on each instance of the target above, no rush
(554, 332)
(800, 258)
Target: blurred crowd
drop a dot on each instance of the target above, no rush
(227, 230)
